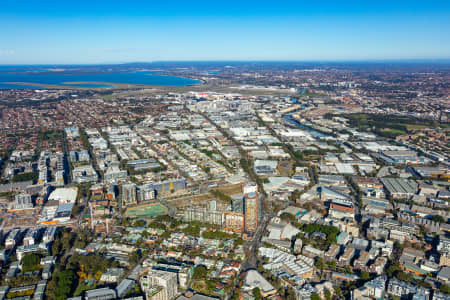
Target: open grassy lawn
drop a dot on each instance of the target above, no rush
(389, 125)
(147, 211)
(82, 287)
(393, 131)
(412, 127)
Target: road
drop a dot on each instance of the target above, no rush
(288, 150)
(251, 260)
(355, 201)
(85, 207)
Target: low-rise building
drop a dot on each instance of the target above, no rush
(255, 280)
(100, 294)
(346, 257)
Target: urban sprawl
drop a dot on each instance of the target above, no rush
(267, 182)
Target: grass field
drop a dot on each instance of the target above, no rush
(82, 287)
(147, 211)
(390, 125)
(416, 127)
(393, 132)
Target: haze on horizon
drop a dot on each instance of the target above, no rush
(88, 32)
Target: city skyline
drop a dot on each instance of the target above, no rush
(211, 151)
(49, 32)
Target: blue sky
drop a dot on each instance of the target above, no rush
(59, 32)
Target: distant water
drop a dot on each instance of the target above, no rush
(60, 76)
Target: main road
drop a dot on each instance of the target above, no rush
(251, 247)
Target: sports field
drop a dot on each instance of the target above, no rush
(147, 211)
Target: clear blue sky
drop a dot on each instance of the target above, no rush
(98, 31)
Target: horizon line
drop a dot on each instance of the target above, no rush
(375, 60)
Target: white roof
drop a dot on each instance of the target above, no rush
(275, 234)
(293, 210)
(261, 162)
(344, 168)
(64, 194)
(254, 279)
(289, 232)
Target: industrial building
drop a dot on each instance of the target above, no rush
(400, 188)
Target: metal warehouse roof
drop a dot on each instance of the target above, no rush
(400, 185)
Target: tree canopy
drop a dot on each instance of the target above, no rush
(200, 272)
(30, 261)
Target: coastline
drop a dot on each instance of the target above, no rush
(72, 85)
